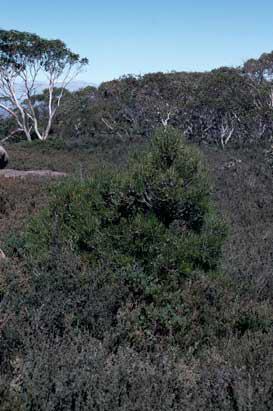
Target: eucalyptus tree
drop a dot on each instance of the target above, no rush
(259, 73)
(25, 58)
(261, 69)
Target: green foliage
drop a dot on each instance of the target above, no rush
(88, 322)
(205, 106)
(261, 69)
(24, 56)
(21, 49)
(224, 106)
(154, 220)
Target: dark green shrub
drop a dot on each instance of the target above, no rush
(154, 220)
(107, 266)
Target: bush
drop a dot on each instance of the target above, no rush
(154, 221)
(113, 299)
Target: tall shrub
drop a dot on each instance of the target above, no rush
(154, 221)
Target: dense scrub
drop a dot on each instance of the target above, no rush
(125, 291)
(89, 321)
(107, 264)
(226, 106)
(223, 107)
(153, 224)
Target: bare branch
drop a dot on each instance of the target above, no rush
(227, 131)
(166, 120)
(108, 125)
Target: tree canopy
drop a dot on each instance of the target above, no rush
(24, 57)
(260, 69)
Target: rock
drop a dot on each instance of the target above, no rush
(2, 255)
(4, 158)
(10, 173)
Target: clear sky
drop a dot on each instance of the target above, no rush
(140, 36)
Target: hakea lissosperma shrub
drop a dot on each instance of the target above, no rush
(155, 220)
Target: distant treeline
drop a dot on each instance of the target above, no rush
(226, 106)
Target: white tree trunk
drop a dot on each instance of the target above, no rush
(2, 255)
(21, 108)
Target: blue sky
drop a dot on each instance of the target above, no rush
(121, 37)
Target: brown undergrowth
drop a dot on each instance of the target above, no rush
(225, 360)
(243, 183)
(20, 198)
